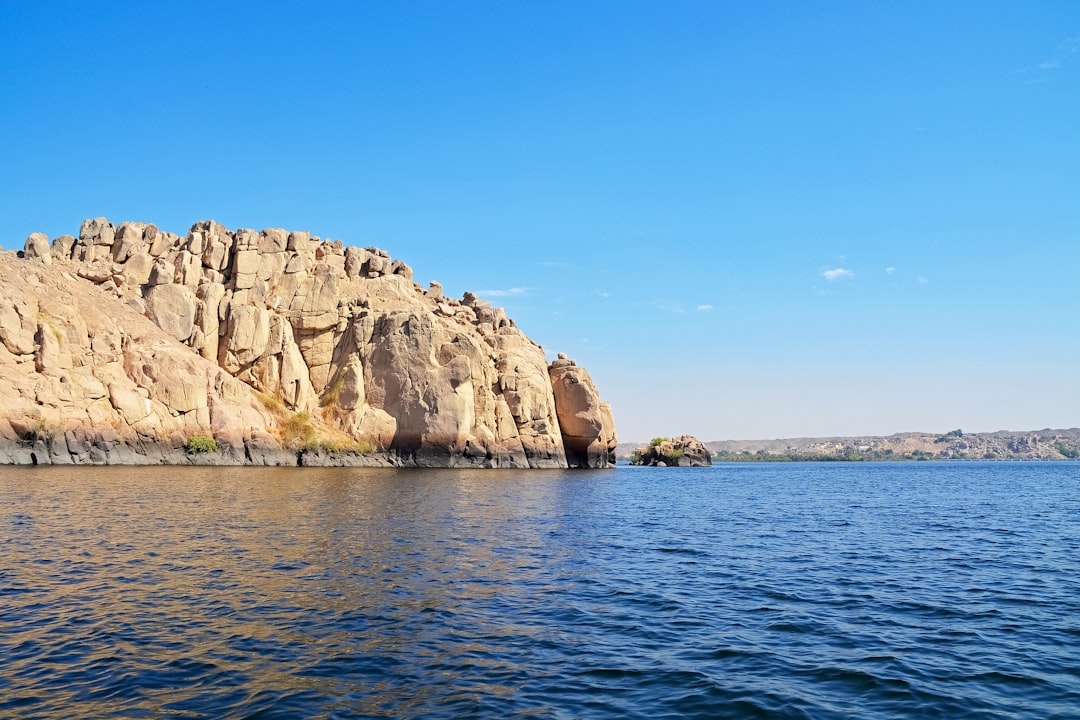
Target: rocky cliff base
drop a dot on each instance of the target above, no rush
(130, 345)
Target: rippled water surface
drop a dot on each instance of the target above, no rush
(789, 591)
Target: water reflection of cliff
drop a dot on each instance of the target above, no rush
(287, 581)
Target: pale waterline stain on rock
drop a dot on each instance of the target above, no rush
(119, 346)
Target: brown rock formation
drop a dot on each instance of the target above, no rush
(682, 451)
(120, 346)
(588, 426)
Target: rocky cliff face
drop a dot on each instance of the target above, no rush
(123, 344)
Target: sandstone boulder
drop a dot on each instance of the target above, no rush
(96, 237)
(581, 417)
(18, 324)
(63, 246)
(37, 248)
(129, 241)
(138, 267)
(172, 307)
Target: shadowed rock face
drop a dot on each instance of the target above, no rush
(279, 345)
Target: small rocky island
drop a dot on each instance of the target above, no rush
(131, 345)
(682, 451)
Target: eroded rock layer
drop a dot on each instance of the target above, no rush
(125, 343)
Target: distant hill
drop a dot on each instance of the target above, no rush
(1048, 444)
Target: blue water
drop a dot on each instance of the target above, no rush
(826, 590)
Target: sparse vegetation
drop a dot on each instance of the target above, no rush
(330, 397)
(297, 430)
(43, 429)
(672, 457)
(360, 447)
(200, 444)
(39, 427)
(272, 403)
(1066, 451)
(51, 324)
(302, 431)
(364, 447)
(683, 450)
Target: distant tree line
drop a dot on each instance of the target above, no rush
(1070, 453)
(847, 454)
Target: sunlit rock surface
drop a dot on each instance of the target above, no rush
(121, 345)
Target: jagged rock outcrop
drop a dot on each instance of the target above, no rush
(588, 427)
(121, 345)
(682, 451)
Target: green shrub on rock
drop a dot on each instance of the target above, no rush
(682, 451)
(672, 457)
(200, 444)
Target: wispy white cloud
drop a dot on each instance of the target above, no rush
(1035, 74)
(704, 308)
(890, 270)
(508, 292)
(837, 274)
(923, 280)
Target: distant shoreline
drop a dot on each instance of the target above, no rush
(1046, 444)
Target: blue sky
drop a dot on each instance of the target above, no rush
(747, 220)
